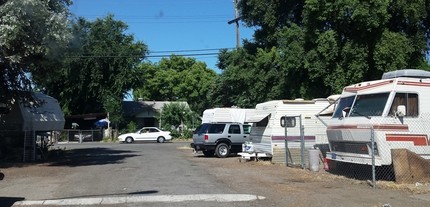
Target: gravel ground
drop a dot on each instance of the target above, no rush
(295, 187)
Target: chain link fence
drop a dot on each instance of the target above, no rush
(307, 150)
(81, 135)
(385, 149)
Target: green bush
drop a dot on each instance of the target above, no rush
(131, 127)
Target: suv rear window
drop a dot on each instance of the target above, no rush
(216, 128)
(202, 128)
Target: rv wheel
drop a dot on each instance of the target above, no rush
(222, 150)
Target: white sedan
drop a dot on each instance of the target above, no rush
(146, 134)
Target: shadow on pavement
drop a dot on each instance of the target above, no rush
(113, 195)
(90, 156)
(9, 201)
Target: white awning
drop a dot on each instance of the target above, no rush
(257, 117)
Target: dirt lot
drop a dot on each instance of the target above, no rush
(296, 187)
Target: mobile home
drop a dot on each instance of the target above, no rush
(267, 132)
(395, 108)
(238, 115)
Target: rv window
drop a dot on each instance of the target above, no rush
(343, 103)
(288, 121)
(409, 100)
(369, 105)
(263, 122)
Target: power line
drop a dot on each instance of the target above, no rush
(137, 56)
(196, 50)
(184, 55)
(160, 54)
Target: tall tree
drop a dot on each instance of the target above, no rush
(322, 46)
(99, 69)
(352, 41)
(177, 79)
(32, 32)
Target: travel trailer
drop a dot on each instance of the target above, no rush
(232, 115)
(395, 110)
(30, 126)
(267, 132)
(45, 117)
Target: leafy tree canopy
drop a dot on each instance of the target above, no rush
(32, 32)
(99, 68)
(176, 79)
(314, 48)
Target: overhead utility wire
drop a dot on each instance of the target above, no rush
(197, 50)
(137, 56)
(158, 56)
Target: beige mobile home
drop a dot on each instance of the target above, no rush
(267, 132)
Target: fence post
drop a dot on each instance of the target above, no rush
(302, 142)
(372, 140)
(286, 142)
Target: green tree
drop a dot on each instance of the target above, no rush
(249, 79)
(177, 79)
(99, 69)
(173, 115)
(352, 41)
(314, 48)
(32, 32)
(268, 16)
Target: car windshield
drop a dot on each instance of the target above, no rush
(369, 105)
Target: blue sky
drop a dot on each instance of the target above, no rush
(169, 26)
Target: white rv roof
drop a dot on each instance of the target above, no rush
(412, 73)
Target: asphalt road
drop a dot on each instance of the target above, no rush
(138, 174)
(168, 174)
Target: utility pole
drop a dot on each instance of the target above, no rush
(236, 20)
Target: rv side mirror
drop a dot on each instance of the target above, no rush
(345, 111)
(401, 110)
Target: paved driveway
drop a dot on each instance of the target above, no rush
(169, 174)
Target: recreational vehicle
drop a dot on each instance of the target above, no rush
(30, 126)
(232, 115)
(393, 111)
(268, 131)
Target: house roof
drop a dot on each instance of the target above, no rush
(131, 108)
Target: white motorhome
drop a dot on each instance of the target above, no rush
(267, 132)
(395, 107)
(233, 115)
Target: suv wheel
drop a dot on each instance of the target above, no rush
(222, 150)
